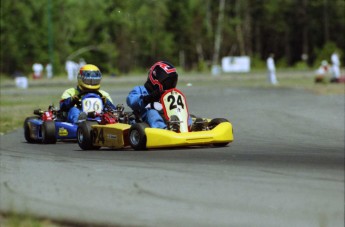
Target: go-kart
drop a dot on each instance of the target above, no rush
(111, 131)
(131, 131)
(51, 125)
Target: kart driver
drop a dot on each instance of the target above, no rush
(89, 79)
(161, 76)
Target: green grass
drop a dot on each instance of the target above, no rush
(17, 104)
(17, 220)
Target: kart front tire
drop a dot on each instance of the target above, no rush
(213, 123)
(27, 132)
(85, 136)
(137, 136)
(48, 132)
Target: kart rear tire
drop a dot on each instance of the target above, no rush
(213, 123)
(27, 130)
(137, 136)
(48, 132)
(85, 136)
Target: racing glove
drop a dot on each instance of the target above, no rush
(153, 97)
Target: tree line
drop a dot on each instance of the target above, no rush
(125, 36)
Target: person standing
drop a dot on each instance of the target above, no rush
(71, 68)
(49, 70)
(271, 70)
(37, 68)
(335, 67)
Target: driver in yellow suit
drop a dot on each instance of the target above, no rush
(89, 80)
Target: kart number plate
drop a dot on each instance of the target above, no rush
(92, 105)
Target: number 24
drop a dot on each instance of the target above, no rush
(172, 101)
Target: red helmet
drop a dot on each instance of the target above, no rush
(162, 76)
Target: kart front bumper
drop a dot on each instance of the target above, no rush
(222, 133)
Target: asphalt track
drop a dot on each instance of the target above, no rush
(284, 168)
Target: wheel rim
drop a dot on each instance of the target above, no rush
(80, 136)
(134, 137)
(43, 133)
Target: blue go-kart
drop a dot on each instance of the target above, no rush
(51, 126)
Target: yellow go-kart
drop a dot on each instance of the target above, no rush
(127, 130)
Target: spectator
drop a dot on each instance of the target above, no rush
(49, 70)
(271, 70)
(72, 69)
(321, 72)
(20, 79)
(37, 68)
(335, 67)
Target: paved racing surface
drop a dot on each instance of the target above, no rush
(284, 168)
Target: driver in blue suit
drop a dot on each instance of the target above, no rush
(162, 76)
(89, 80)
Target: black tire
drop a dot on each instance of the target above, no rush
(85, 136)
(212, 124)
(137, 136)
(48, 132)
(27, 130)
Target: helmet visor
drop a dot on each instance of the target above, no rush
(91, 77)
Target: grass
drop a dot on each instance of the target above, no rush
(17, 220)
(17, 104)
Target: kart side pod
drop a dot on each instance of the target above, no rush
(92, 136)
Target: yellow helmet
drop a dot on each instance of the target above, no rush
(89, 77)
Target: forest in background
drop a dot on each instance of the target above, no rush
(126, 36)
